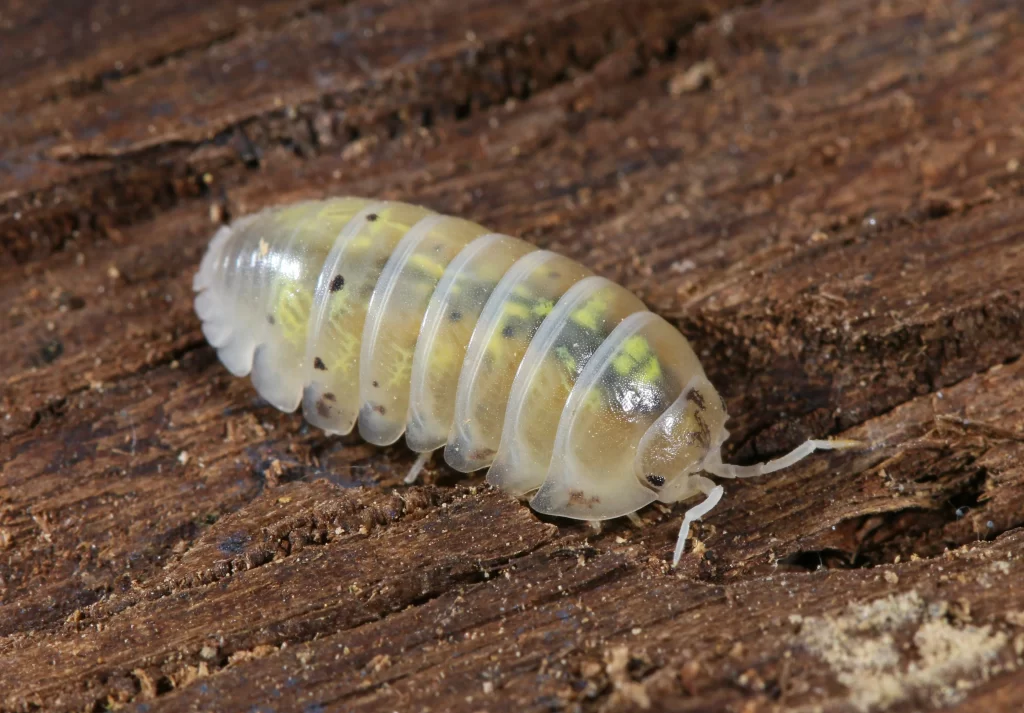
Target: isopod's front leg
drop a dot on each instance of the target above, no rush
(714, 494)
(417, 467)
(635, 519)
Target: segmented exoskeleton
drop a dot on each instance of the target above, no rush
(509, 357)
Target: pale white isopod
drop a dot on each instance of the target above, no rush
(508, 357)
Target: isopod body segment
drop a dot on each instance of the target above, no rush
(508, 357)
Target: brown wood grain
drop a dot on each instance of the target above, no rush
(824, 196)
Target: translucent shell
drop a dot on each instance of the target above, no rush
(635, 375)
(259, 292)
(347, 282)
(563, 345)
(523, 299)
(394, 318)
(448, 325)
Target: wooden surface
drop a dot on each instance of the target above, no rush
(824, 196)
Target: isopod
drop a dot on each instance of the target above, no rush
(512, 358)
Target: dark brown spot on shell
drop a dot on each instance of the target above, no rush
(579, 497)
(270, 320)
(507, 332)
(481, 453)
(656, 480)
(455, 315)
(372, 217)
(318, 363)
(323, 408)
(380, 409)
(337, 283)
(701, 436)
(698, 400)
(329, 396)
(376, 384)
(704, 432)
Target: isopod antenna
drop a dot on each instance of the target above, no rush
(715, 466)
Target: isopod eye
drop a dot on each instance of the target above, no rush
(676, 445)
(656, 481)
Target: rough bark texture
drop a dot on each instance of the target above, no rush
(824, 196)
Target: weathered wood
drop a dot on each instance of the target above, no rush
(824, 196)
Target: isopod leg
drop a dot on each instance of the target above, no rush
(715, 466)
(417, 467)
(714, 494)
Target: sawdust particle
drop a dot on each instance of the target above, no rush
(699, 76)
(626, 690)
(859, 645)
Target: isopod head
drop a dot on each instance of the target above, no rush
(676, 446)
